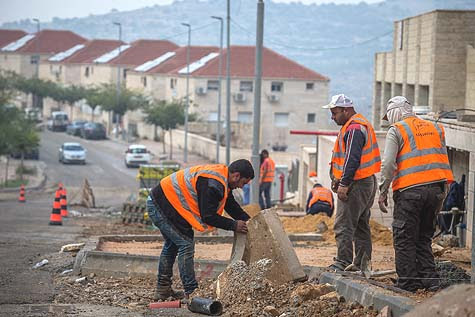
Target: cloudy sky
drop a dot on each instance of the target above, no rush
(45, 10)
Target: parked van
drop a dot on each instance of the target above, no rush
(58, 121)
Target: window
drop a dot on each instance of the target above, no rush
(310, 117)
(125, 74)
(400, 37)
(281, 119)
(309, 86)
(86, 72)
(213, 116)
(423, 96)
(276, 86)
(144, 81)
(213, 84)
(245, 117)
(245, 86)
(172, 83)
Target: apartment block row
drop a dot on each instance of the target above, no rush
(291, 93)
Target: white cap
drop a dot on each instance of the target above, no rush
(395, 102)
(339, 101)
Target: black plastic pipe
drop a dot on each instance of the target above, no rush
(205, 306)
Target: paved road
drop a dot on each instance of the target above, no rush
(26, 238)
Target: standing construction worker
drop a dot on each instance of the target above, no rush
(265, 180)
(194, 199)
(354, 162)
(416, 162)
(320, 199)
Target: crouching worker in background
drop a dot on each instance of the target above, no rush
(320, 199)
(194, 199)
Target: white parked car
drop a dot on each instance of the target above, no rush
(137, 154)
(71, 152)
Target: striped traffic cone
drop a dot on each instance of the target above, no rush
(64, 203)
(55, 218)
(21, 198)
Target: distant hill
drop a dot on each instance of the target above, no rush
(338, 41)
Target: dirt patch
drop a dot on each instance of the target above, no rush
(380, 235)
(248, 293)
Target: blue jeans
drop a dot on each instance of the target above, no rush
(264, 188)
(175, 244)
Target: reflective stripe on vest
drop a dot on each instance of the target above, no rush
(270, 165)
(321, 194)
(423, 157)
(180, 190)
(370, 162)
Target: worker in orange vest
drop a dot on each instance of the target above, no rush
(354, 162)
(416, 162)
(266, 178)
(320, 199)
(194, 199)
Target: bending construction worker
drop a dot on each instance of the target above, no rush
(320, 199)
(354, 162)
(265, 180)
(194, 199)
(416, 162)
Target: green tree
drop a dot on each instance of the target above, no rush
(93, 99)
(25, 138)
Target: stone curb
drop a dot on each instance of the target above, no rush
(367, 295)
(40, 168)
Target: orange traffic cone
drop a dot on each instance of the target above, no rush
(64, 203)
(21, 198)
(55, 218)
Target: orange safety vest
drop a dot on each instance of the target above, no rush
(268, 165)
(321, 194)
(423, 157)
(180, 190)
(370, 162)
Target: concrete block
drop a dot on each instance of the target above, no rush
(368, 295)
(266, 238)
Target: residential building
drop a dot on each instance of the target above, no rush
(432, 63)
(22, 54)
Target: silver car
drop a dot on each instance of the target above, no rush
(71, 152)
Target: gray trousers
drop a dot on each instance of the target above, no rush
(352, 222)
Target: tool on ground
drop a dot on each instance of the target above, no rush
(21, 198)
(55, 218)
(366, 266)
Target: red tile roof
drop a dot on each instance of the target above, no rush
(92, 50)
(274, 65)
(142, 51)
(177, 62)
(51, 42)
(9, 36)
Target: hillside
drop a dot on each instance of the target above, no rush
(338, 41)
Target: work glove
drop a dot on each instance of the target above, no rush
(383, 203)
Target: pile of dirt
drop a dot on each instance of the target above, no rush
(246, 292)
(379, 233)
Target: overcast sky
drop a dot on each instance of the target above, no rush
(45, 10)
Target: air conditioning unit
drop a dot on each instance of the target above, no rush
(201, 91)
(240, 97)
(273, 98)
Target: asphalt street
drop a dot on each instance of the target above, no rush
(26, 238)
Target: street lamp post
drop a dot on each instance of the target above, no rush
(228, 82)
(218, 127)
(185, 153)
(118, 81)
(37, 60)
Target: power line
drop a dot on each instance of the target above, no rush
(313, 48)
(186, 32)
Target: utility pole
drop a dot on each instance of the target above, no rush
(185, 153)
(257, 103)
(218, 125)
(118, 81)
(228, 82)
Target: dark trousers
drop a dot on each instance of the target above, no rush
(176, 244)
(352, 222)
(264, 188)
(320, 206)
(415, 212)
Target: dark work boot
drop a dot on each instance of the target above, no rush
(164, 293)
